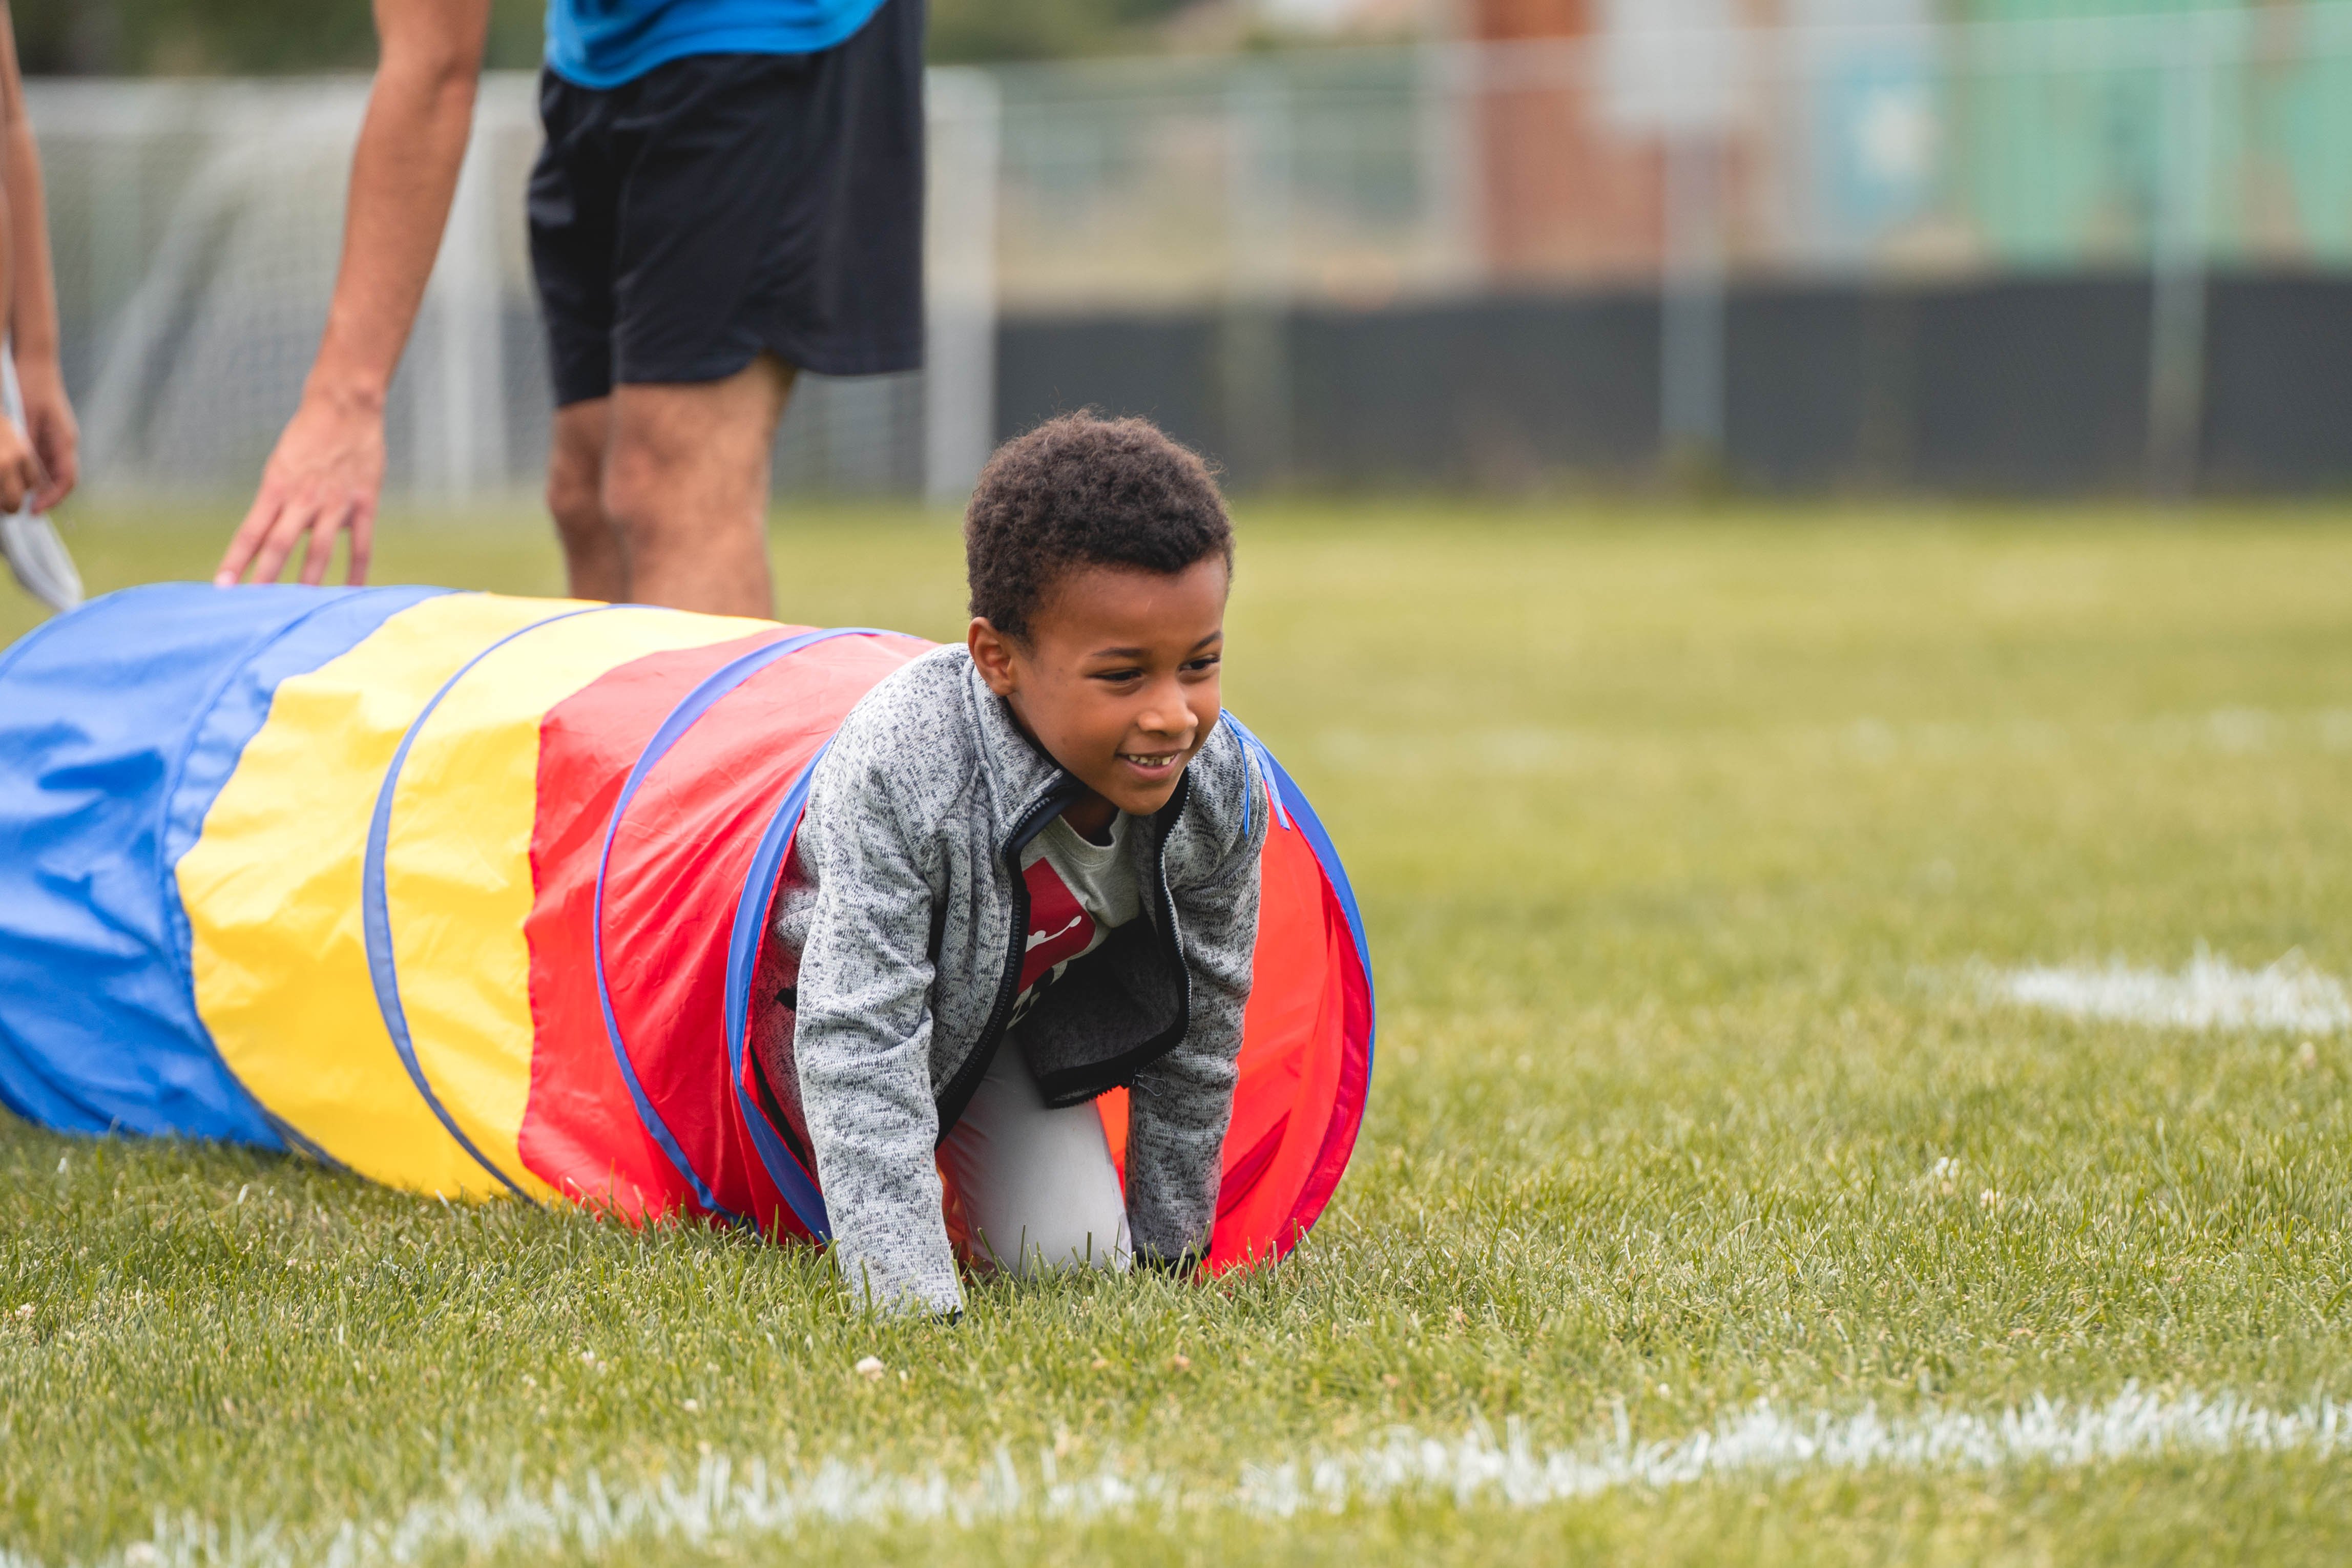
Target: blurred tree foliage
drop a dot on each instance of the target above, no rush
(140, 37)
(225, 38)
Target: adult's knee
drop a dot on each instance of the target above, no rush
(578, 509)
(631, 499)
(690, 463)
(575, 491)
(661, 500)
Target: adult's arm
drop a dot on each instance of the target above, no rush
(327, 471)
(31, 303)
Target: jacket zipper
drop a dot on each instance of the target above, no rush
(966, 1082)
(1171, 948)
(1171, 943)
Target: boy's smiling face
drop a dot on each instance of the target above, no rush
(1117, 679)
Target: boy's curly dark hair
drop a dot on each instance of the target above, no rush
(1082, 490)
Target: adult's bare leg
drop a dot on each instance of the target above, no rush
(594, 561)
(685, 482)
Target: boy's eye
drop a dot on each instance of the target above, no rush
(1127, 673)
(1206, 662)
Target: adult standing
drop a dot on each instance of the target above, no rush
(730, 192)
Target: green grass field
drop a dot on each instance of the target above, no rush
(1691, 848)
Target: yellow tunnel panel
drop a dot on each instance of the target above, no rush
(456, 864)
(272, 890)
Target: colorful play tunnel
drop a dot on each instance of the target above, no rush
(469, 893)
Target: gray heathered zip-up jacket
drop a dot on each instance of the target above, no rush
(908, 914)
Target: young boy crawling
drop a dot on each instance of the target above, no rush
(1028, 873)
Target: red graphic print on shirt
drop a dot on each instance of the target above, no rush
(1059, 927)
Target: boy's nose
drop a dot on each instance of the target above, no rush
(1168, 715)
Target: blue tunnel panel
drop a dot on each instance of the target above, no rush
(118, 725)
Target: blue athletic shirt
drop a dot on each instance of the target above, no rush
(604, 43)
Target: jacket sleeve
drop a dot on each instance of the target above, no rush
(1180, 1105)
(862, 1038)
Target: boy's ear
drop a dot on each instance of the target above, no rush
(991, 652)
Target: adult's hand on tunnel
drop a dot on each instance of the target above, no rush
(50, 426)
(324, 478)
(20, 470)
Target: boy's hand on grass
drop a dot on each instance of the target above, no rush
(20, 470)
(50, 427)
(323, 477)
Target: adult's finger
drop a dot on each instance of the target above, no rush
(36, 479)
(61, 465)
(319, 553)
(260, 519)
(362, 542)
(293, 522)
(16, 481)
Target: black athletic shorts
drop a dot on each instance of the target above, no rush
(723, 205)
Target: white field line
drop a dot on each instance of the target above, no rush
(2209, 994)
(727, 1502)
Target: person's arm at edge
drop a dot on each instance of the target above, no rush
(31, 295)
(327, 471)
